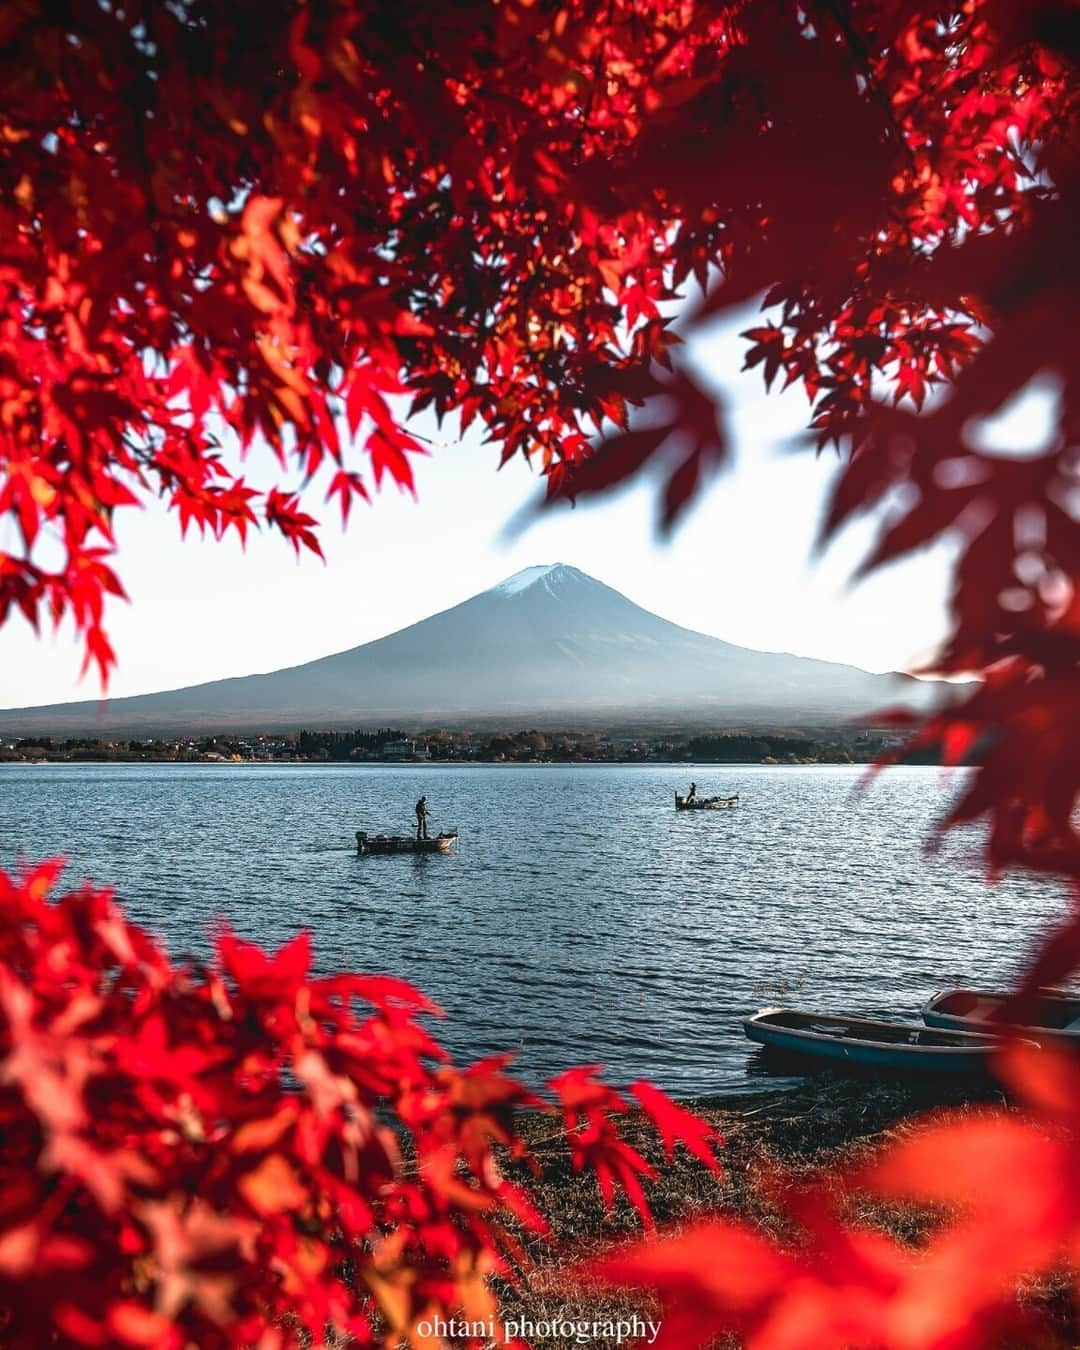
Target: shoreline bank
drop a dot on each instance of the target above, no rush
(818, 1128)
(417, 765)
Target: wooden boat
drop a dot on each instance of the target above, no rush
(705, 803)
(866, 1043)
(399, 843)
(1054, 1016)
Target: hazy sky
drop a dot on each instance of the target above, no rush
(739, 568)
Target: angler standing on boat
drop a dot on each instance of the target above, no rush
(421, 818)
(691, 796)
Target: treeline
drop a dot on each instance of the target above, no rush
(80, 748)
(392, 744)
(345, 744)
(737, 749)
(94, 750)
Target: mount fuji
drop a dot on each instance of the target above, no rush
(550, 645)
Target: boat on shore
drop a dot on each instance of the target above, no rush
(705, 803)
(1053, 1015)
(868, 1043)
(404, 843)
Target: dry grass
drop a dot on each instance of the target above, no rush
(814, 1133)
(819, 1130)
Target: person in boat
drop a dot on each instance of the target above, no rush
(691, 796)
(421, 818)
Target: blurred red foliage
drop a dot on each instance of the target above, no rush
(248, 1154)
(264, 224)
(1010, 1188)
(233, 223)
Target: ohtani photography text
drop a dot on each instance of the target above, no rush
(602, 1332)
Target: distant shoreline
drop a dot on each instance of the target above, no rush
(415, 765)
(781, 746)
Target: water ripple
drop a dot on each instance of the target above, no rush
(582, 919)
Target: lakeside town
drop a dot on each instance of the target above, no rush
(390, 746)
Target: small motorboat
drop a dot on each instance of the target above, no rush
(1054, 1015)
(866, 1043)
(404, 843)
(705, 803)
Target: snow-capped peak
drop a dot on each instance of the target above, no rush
(547, 574)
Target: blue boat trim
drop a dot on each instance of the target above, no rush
(870, 1042)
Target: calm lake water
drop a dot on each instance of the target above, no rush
(582, 920)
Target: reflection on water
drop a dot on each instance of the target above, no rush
(582, 919)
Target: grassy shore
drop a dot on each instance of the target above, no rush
(824, 1126)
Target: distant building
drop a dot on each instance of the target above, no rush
(405, 749)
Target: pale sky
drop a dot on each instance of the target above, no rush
(739, 568)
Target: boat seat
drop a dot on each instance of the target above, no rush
(827, 1029)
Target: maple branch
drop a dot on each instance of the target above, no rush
(840, 13)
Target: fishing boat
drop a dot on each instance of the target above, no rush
(866, 1043)
(705, 803)
(403, 843)
(1052, 1016)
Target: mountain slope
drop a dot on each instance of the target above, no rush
(547, 643)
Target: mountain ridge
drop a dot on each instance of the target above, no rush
(548, 642)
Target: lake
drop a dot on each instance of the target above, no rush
(582, 920)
